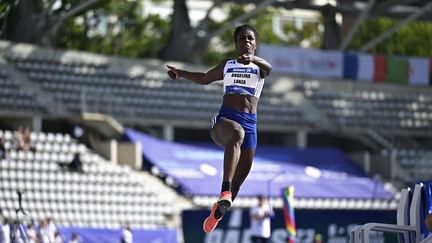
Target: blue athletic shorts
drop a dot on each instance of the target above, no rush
(246, 120)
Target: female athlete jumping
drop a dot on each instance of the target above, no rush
(234, 127)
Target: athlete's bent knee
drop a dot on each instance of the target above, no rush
(237, 135)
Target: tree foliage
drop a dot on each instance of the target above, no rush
(115, 28)
(414, 39)
(37, 21)
(297, 35)
(119, 28)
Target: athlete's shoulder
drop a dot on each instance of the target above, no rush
(230, 61)
(225, 61)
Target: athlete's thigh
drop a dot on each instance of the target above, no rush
(223, 131)
(244, 166)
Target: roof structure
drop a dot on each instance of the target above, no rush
(359, 10)
(387, 8)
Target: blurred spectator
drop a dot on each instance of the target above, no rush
(76, 164)
(58, 238)
(2, 234)
(26, 144)
(75, 238)
(4, 230)
(78, 132)
(127, 236)
(43, 232)
(52, 229)
(17, 138)
(31, 233)
(260, 221)
(22, 139)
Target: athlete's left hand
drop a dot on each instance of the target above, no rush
(173, 72)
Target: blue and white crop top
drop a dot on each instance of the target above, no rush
(242, 79)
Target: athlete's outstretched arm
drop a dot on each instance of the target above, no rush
(210, 76)
(264, 66)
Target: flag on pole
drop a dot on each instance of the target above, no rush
(419, 70)
(397, 69)
(380, 68)
(366, 68)
(288, 209)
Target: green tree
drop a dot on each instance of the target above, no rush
(119, 28)
(37, 21)
(115, 28)
(223, 46)
(191, 44)
(414, 39)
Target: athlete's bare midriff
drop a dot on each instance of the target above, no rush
(239, 102)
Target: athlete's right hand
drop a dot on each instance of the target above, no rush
(172, 72)
(245, 58)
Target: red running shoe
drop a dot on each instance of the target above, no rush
(224, 202)
(211, 222)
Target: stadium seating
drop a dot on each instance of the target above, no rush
(380, 107)
(87, 82)
(105, 195)
(138, 93)
(400, 117)
(412, 164)
(13, 98)
(97, 87)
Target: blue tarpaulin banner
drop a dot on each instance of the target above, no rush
(314, 172)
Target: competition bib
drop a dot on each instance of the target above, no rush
(242, 79)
